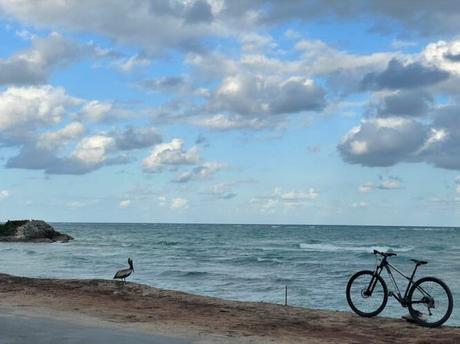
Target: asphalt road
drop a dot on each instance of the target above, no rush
(20, 329)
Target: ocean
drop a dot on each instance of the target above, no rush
(242, 262)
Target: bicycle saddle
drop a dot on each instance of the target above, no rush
(419, 262)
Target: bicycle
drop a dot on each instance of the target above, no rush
(367, 293)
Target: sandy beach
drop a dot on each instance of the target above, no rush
(144, 310)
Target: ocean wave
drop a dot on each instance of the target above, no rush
(337, 248)
(178, 273)
(428, 229)
(168, 243)
(269, 260)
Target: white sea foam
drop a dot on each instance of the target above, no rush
(428, 229)
(336, 248)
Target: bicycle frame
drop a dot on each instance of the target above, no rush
(384, 264)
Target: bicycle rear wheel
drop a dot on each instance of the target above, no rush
(430, 302)
(360, 301)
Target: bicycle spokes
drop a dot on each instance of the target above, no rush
(430, 301)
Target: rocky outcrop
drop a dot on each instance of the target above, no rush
(31, 231)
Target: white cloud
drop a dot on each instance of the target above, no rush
(81, 204)
(4, 194)
(129, 64)
(179, 203)
(285, 199)
(391, 183)
(177, 24)
(385, 183)
(222, 191)
(92, 150)
(256, 95)
(204, 171)
(51, 139)
(366, 187)
(383, 141)
(96, 111)
(444, 55)
(223, 122)
(29, 107)
(125, 203)
(33, 65)
(170, 154)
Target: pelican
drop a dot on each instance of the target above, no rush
(122, 274)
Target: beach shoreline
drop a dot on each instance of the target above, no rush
(202, 319)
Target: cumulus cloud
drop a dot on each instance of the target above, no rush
(383, 141)
(443, 55)
(47, 126)
(400, 75)
(157, 26)
(391, 140)
(415, 103)
(51, 139)
(34, 65)
(204, 171)
(30, 107)
(170, 154)
(96, 110)
(136, 138)
(92, 150)
(258, 91)
(254, 95)
(427, 18)
(179, 203)
(49, 151)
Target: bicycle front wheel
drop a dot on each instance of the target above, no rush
(430, 302)
(361, 300)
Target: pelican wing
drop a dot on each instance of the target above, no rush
(123, 273)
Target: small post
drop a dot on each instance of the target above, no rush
(285, 296)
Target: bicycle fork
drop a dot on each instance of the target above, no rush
(373, 282)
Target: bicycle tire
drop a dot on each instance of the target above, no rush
(349, 297)
(413, 312)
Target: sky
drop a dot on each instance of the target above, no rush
(219, 111)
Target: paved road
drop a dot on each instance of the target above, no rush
(19, 329)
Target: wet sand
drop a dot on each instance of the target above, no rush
(151, 311)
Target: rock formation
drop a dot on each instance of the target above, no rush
(31, 231)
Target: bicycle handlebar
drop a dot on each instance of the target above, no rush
(385, 254)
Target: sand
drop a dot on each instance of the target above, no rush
(202, 319)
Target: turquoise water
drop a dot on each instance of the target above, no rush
(242, 262)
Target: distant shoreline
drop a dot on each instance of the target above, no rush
(205, 319)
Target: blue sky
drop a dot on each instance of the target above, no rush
(331, 112)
